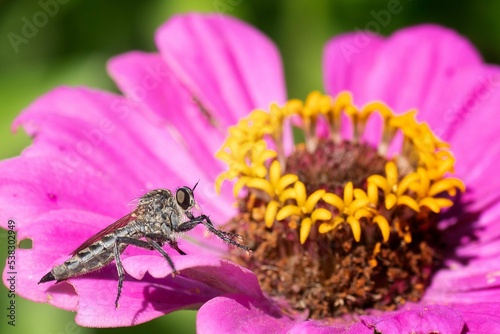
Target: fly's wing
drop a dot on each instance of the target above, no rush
(96, 237)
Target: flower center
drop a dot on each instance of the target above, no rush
(338, 224)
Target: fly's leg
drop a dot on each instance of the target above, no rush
(149, 244)
(156, 246)
(173, 244)
(160, 238)
(205, 220)
(119, 268)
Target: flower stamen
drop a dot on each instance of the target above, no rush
(332, 196)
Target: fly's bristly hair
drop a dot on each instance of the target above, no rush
(134, 203)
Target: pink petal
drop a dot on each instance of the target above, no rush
(439, 73)
(473, 165)
(476, 235)
(63, 189)
(144, 296)
(241, 314)
(153, 292)
(347, 60)
(480, 317)
(146, 80)
(323, 327)
(466, 95)
(54, 235)
(96, 140)
(98, 130)
(473, 271)
(220, 274)
(28, 272)
(426, 319)
(26, 191)
(83, 141)
(477, 281)
(480, 249)
(141, 301)
(226, 64)
(414, 68)
(59, 232)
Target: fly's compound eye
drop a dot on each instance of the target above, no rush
(185, 198)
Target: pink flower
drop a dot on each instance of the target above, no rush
(93, 152)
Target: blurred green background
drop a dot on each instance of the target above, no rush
(72, 47)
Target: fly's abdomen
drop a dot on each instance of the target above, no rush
(87, 260)
(84, 262)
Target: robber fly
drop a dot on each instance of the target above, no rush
(157, 219)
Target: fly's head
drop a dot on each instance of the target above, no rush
(185, 199)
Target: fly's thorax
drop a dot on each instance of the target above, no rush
(159, 212)
(154, 200)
